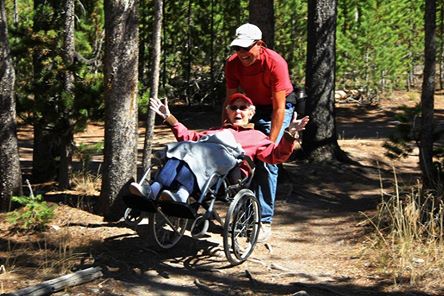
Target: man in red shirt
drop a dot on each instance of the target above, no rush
(262, 74)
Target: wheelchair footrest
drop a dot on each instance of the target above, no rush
(178, 209)
(140, 203)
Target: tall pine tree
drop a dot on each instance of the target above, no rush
(10, 173)
(121, 90)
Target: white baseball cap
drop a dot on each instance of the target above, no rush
(246, 35)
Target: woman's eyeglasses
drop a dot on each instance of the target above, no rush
(235, 108)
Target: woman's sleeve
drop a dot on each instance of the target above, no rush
(182, 133)
(270, 152)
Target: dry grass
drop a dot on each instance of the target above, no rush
(49, 253)
(86, 184)
(408, 242)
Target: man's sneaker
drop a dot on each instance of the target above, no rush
(140, 190)
(264, 232)
(168, 195)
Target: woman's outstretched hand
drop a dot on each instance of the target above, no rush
(297, 125)
(160, 108)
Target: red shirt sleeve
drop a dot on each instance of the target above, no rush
(279, 76)
(231, 79)
(275, 153)
(182, 133)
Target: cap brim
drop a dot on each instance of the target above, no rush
(239, 96)
(242, 42)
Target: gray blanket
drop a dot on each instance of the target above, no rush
(216, 153)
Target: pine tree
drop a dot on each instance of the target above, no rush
(320, 138)
(121, 89)
(10, 173)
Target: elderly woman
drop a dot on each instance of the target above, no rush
(216, 149)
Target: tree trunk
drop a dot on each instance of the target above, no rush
(427, 99)
(212, 57)
(15, 13)
(320, 138)
(149, 132)
(188, 55)
(262, 15)
(143, 40)
(67, 136)
(44, 166)
(441, 51)
(10, 173)
(121, 89)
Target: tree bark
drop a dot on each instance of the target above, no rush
(427, 97)
(320, 138)
(262, 15)
(10, 172)
(155, 62)
(188, 54)
(121, 89)
(67, 136)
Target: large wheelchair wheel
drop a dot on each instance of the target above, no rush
(241, 227)
(165, 229)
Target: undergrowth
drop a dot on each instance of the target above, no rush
(408, 241)
(86, 183)
(33, 216)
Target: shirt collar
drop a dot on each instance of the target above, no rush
(243, 127)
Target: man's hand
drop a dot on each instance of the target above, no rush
(160, 108)
(297, 125)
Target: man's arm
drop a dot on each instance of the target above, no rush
(278, 153)
(277, 117)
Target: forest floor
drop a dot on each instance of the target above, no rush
(320, 241)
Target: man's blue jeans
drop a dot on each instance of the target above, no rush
(266, 175)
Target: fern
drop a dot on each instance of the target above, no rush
(34, 216)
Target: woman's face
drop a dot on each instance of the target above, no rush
(239, 112)
(248, 55)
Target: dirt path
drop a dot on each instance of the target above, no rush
(317, 244)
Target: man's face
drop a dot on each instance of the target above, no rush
(248, 55)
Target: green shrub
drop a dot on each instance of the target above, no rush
(34, 216)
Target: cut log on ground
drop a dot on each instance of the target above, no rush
(60, 283)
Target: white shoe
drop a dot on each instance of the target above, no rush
(173, 196)
(264, 232)
(168, 195)
(140, 190)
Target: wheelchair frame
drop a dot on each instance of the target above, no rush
(168, 220)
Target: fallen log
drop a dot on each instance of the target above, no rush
(60, 283)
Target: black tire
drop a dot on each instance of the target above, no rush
(200, 227)
(166, 230)
(132, 217)
(241, 227)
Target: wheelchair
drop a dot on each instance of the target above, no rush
(168, 220)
